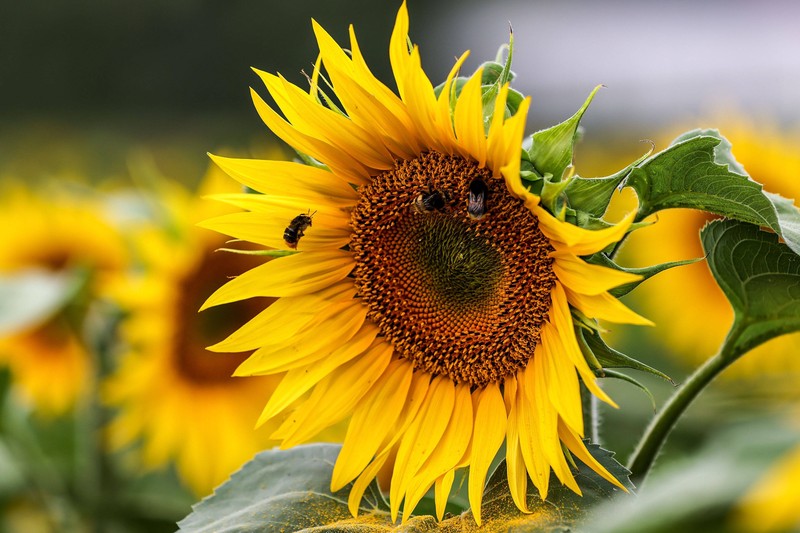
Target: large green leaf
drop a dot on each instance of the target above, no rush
(32, 297)
(698, 171)
(285, 490)
(288, 490)
(761, 278)
(699, 494)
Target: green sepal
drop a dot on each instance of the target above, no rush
(759, 275)
(611, 358)
(551, 150)
(646, 272)
(264, 253)
(608, 373)
(592, 195)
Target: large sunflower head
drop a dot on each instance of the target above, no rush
(66, 235)
(422, 291)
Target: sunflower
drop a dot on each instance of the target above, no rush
(56, 232)
(430, 298)
(166, 379)
(695, 331)
(771, 504)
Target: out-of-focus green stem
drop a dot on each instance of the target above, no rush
(643, 457)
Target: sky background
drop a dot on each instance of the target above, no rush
(109, 76)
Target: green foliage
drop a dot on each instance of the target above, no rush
(760, 277)
(645, 272)
(289, 490)
(592, 195)
(698, 171)
(283, 489)
(32, 297)
(699, 493)
(551, 149)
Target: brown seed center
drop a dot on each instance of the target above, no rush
(456, 295)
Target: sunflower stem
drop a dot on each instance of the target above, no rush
(643, 457)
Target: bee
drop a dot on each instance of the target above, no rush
(476, 205)
(297, 228)
(428, 201)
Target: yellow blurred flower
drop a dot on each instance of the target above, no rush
(430, 296)
(173, 397)
(691, 312)
(54, 231)
(771, 506)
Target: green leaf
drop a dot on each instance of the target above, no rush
(608, 373)
(32, 297)
(608, 357)
(645, 272)
(551, 151)
(592, 195)
(698, 494)
(698, 171)
(286, 490)
(760, 277)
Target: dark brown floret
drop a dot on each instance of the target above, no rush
(457, 296)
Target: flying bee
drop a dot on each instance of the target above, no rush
(476, 205)
(297, 228)
(428, 201)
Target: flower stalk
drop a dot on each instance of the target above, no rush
(643, 457)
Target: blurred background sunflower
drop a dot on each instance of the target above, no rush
(175, 398)
(85, 86)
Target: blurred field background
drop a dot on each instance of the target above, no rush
(109, 108)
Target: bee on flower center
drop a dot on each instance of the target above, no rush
(476, 204)
(297, 228)
(428, 201)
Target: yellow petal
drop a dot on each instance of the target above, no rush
(336, 396)
(561, 381)
(442, 492)
(371, 422)
(309, 346)
(280, 177)
(398, 48)
(538, 467)
(287, 316)
(605, 307)
(539, 394)
(444, 110)
(340, 163)
(447, 453)
(561, 318)
(586, 278)
(293, 275)
(468, 120)
(490, 430)
(513, 131)
(576, 446)
(580, 241)
(421, 438)
(515, 463)
(299, 380)
(316, 120)
(268, 230)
